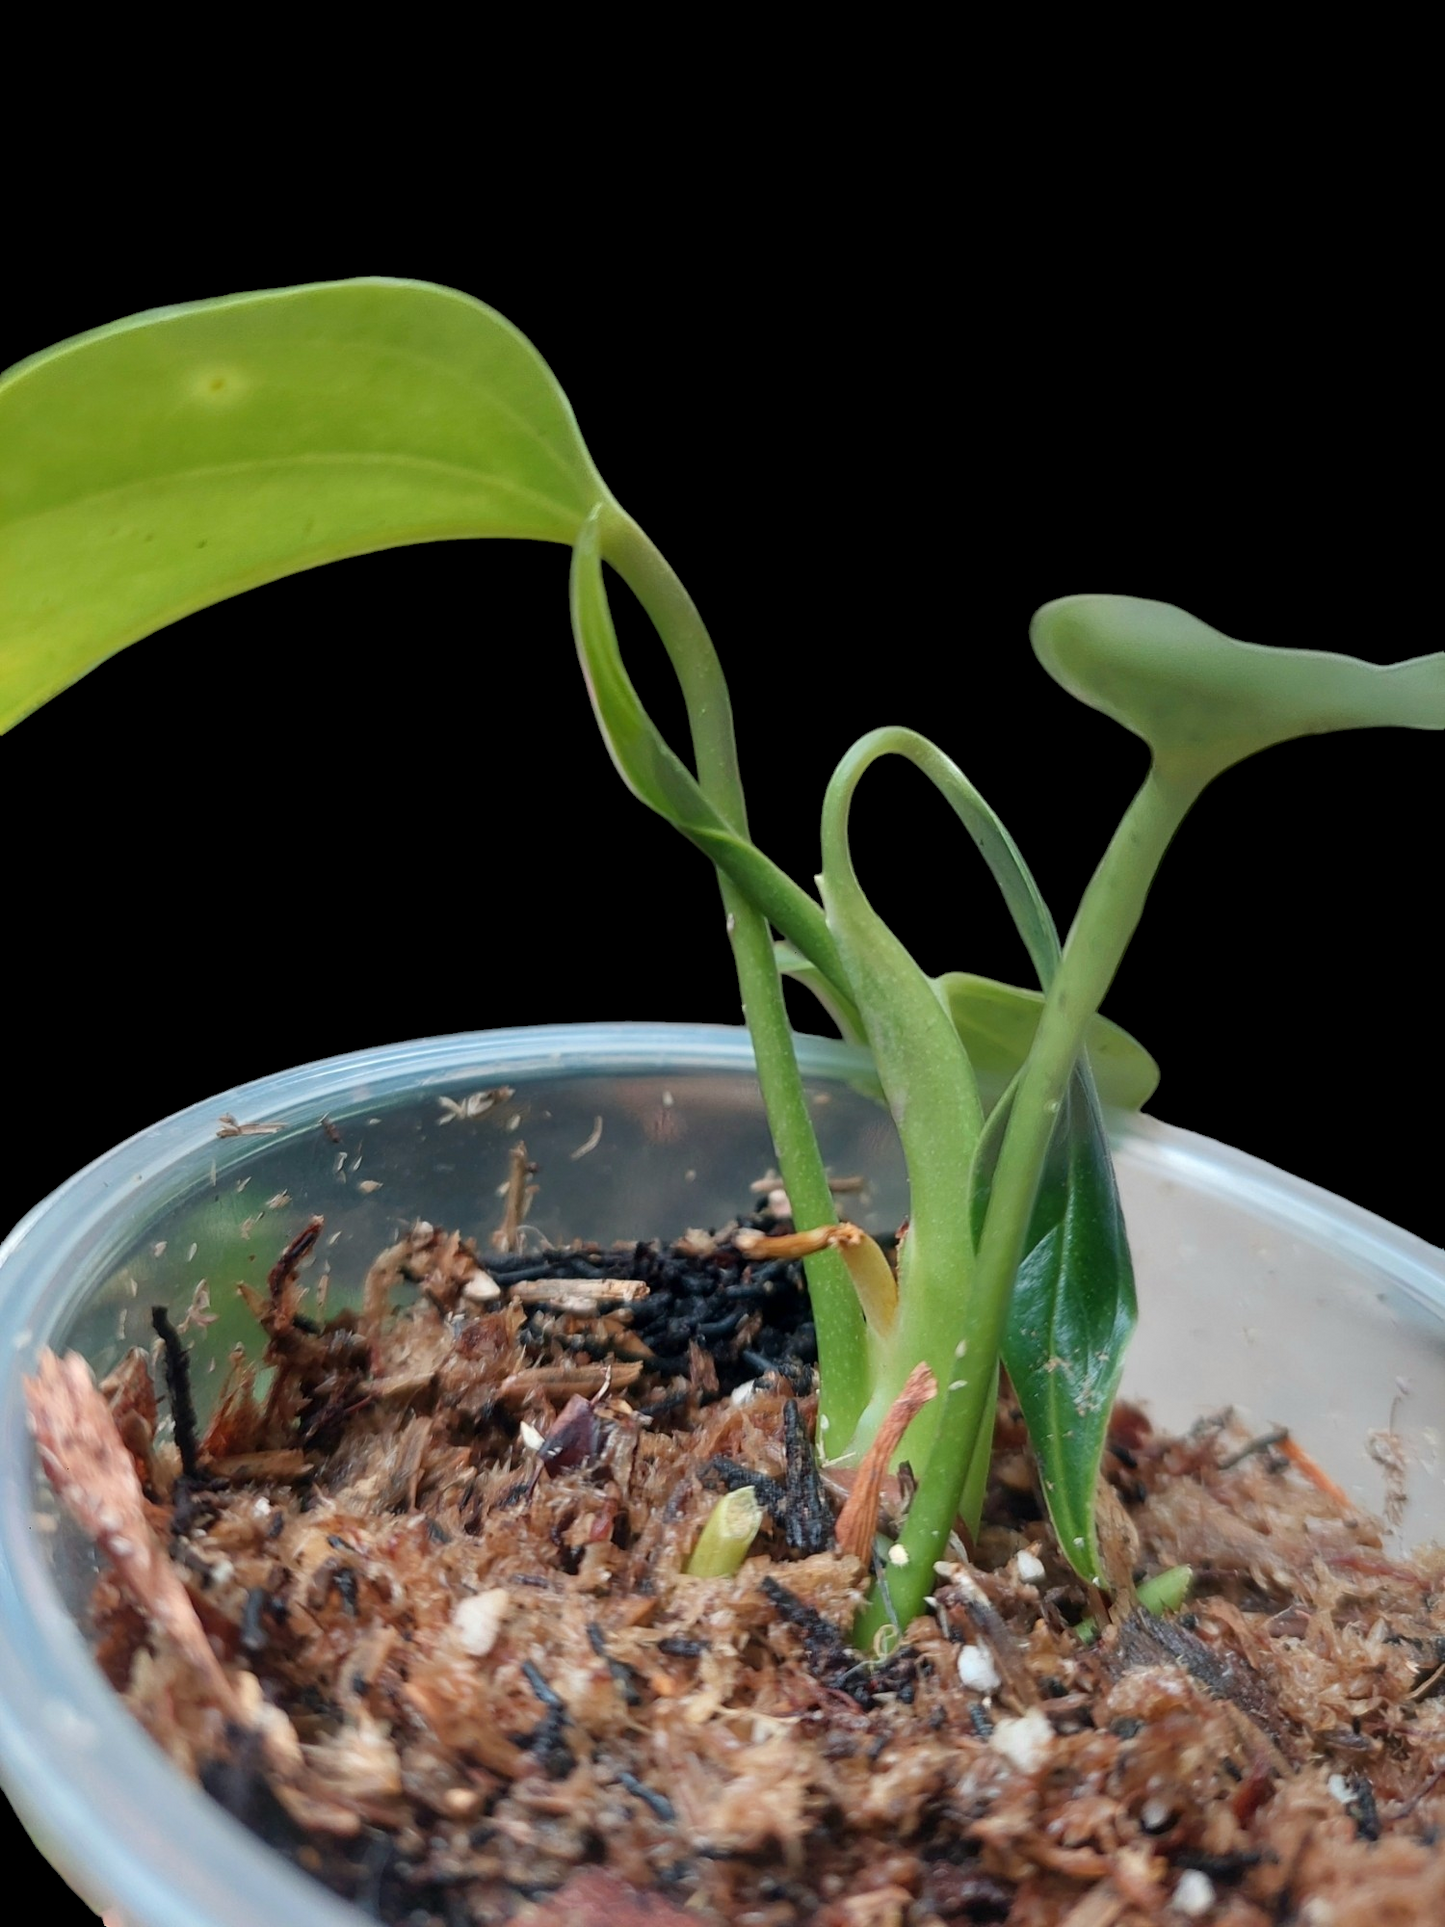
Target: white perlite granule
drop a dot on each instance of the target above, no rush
(1025, 1742)
(1194, 1896)
(976, 1669)
(477, 1620)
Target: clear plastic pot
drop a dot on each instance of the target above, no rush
(1256, 1290)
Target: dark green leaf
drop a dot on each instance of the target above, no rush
(1071, 1313)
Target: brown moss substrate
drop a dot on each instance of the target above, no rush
(477, 1685)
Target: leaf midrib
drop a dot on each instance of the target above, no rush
(258, 465)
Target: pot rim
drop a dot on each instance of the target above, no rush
(100, 1797)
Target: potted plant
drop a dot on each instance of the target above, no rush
(1124, 657)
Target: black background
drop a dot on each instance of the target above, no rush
(369, 803)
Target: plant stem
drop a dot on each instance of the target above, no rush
(1106, 920)
(842, 1340)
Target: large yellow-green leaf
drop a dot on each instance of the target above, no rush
(172, 459)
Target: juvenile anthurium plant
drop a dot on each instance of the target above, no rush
(155, 466)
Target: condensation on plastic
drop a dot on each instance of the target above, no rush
(1256, 1290)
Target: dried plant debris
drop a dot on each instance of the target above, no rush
(418, 1614)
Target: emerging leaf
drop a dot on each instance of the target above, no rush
(163, 463)
(1072, 1311)
(727, 1537)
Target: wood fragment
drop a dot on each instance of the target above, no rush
(578, 1295)
(1118, 1544)
(551, 1380)
(284, 1466)
(785, 1244)
(227, 1126)
(518, 1194)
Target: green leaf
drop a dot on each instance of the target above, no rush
(1072, 1310)
(163, 463)
(1202, 700)
(997, 1023)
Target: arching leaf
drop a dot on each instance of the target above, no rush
(175, 458)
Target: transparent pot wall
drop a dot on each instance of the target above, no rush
(1256, 1291)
